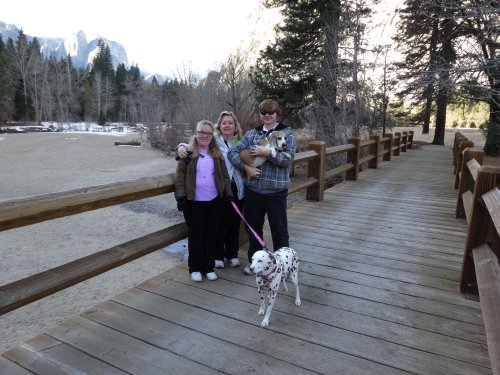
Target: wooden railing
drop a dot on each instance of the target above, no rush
(479, 202)
(21, 212)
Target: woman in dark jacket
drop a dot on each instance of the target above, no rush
(201, 184)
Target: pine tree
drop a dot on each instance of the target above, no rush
(6, 86)
(481, 67)
(102, 75)
(288, 69)
(427, 33)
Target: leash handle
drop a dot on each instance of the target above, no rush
(261, 242)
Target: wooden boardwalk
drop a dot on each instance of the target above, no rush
(380, 264)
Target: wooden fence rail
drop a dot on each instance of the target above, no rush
(21, 212)
(479, 202)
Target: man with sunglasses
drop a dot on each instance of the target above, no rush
(266, 187)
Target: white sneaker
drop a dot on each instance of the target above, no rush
(219, 264)
(211, 276)
(247, 271)
(235, 262)
(196, 276)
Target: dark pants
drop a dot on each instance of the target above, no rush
(202, 219)
(228, 235)
(256, 207)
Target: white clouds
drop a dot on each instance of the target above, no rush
(159, 36)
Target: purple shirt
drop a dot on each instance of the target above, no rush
(205, 178)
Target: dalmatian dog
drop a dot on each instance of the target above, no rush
(271, 269)
(276, 139)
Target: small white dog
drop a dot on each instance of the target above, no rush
(276, 139)
(270, 270)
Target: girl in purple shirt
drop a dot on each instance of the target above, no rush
(201, 184)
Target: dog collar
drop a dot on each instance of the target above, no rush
(267, 278)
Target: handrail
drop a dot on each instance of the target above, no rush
(470, 161)
(479, 201)
(30, 210)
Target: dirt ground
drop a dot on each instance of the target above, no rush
(33, 164)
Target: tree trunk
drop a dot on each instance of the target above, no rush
(492, 143)
(441, 103)
(427, 109)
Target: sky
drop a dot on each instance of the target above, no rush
(161, 37)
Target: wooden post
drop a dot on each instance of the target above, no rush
(316, 168)
(374, 149)
(456, 143)
(461, 164)
(397, 144)
(353, 157)
(458, 166)
(388, 147)
(410, 139)
(466, 180)
(488, 273)
(404, 141)
(487, 179)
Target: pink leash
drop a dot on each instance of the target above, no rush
(261, 242)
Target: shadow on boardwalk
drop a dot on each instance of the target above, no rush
(380, 264)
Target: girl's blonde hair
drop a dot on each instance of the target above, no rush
(213, 149)
(237, 128)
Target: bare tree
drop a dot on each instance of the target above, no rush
(236, 89)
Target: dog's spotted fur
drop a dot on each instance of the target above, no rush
(270, 270)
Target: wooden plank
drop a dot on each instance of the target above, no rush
(302, 184)
(8, 367)
(339, 170)
(440, 215)
(373, 260)
(311, 323)
(30, 210)
(304, 156)
(318, 245)
(468, 198)
(488, 280)
(335, 150)
(492, 202)
(234, 326)
(414, 297)
(124, 351)
(46, 355)
(214, 352)
(473, 167)
(344, 217)
(386, 230)
(487, 178)
(35, 287)
(391, 239)
(325, 307)
(378, 304)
